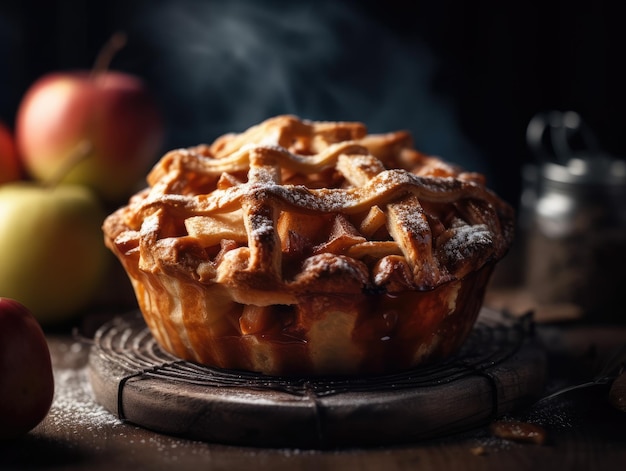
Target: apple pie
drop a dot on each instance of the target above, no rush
(310, 248)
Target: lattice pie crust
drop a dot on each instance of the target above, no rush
(300, 248)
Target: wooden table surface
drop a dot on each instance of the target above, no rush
(584, 430)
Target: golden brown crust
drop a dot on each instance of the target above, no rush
(293, 210)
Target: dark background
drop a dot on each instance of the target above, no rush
(464, 77)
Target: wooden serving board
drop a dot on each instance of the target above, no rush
(500, 368)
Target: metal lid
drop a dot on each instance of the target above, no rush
(567, 152)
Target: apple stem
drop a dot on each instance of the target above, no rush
(80, 152)
(108, 51)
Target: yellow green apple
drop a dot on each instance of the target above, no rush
(109, 116)
(26, 378)
(53, 259)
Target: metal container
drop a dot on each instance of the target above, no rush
(573, 214)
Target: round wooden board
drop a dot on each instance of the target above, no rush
(499, 369)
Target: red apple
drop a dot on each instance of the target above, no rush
(26, 379)
(110, 117)
(9, 161)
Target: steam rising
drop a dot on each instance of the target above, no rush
(225, 66)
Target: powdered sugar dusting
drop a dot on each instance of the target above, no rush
(261, 227)
(384, 187)
(465, 240)
(74, 405)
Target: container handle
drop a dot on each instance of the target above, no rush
(551, 136)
